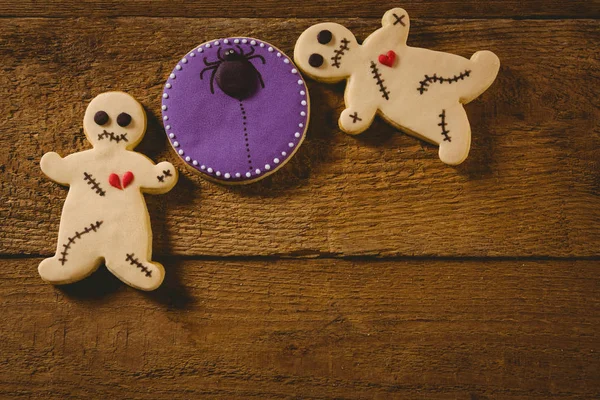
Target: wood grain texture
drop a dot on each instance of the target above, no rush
(299, 9)
(529, 188)
(311, 329)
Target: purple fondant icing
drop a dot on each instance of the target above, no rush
(226, 138)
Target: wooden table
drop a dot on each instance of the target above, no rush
(365, 269)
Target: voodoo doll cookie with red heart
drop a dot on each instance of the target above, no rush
(104, 216)
(419, 91)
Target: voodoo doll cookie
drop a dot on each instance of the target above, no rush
(235, 109)
(419, 91)
(104, 216)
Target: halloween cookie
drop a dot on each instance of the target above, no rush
(419, 91)
(104, 216)
(235, 109)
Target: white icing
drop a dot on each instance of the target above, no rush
(180, 152)
(226, 41)
(172, 76)
(297, 134)
(184, 60)
(276, 161)
(278, 54)
(302, 113)
(101, 221)
(294, 71)
(210, 170)
(203, 167)
(262, 45)
(283, 153)
(257, 171)
(302, 92)
(303, 102)
(165, 118)
(253, 42)
(236, 41)
(291, 144)
(216, 43)
(171, 135)
(175, 144)
(164, 108)
(218, 173)
(227, 175)
(286, 60)
(270, 49)
(418, 90)
(238, 175)
(168, 86)
(267, 167)
(168, 127)
(244, 41)
(187, 158)
(165, 96)
(195, 162)
(248, 174)
(300, 82)
(178, 67)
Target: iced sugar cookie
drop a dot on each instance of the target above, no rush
(235, 109)
(104, 216)
(419, 91)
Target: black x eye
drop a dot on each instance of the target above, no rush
(124, 119)
(324, 36)
(101, 118)
(315, 60)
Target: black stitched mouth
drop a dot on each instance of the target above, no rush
(111, 136)
(340, 52)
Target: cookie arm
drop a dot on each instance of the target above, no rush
(159, 178)
(57, 168)
(396, 24)
(360, 109)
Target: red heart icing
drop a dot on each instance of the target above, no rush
(127, 178)
(387, 59)
(115, 181)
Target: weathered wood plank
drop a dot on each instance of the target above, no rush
(307, 329)
(529, 188)
(298, 9)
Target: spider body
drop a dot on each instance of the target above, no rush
(236, 76)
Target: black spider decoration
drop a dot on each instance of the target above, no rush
(235, 74)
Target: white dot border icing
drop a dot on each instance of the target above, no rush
(296, 136)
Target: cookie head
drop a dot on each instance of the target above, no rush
(326, 51)
(114, 119)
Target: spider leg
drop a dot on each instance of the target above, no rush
(206, 69)
(262, 83)
(241, 50)
(212, 80)
(257, 56)
(209, 63)
(219, 54)
(251, 52)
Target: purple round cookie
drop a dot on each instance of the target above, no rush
(235, 109)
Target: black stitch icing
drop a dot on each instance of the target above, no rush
(399, 20)
(355, 117)
(77, 235)
(443, 124)
(134, 261)
(166, 174)
(112, 137)
(439, 79)
(94, 184)
(340, 52)
(377, 76)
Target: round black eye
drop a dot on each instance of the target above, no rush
(101, 117)
(315, 60)
(324, 36)
(124, 119)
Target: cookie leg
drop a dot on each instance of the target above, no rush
(58, 272)
(133, 268)
(454, 133)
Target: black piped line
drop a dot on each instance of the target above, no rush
(166, 174)
(134, 261)
(246, 136)
(112, 137)
(424, 84)
(77, 235)
(443, 124)
(377, 76)
(94, 184)
(340, 52)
